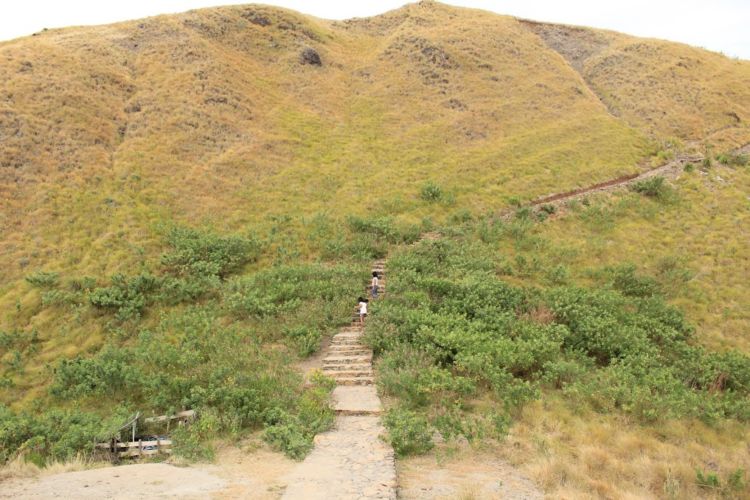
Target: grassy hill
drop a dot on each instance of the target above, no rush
(166, 178)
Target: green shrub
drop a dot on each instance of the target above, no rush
(548, 208)
(408, 432)
(431, 192)
(689, 167)
(205, 254)
(733, 159)
(42, 279)
(192, 442)
(708, 480)
(624, 279)
(450, 329)
(383, 229)
(61, 297)
(306, 339)
(654, 187)
(293, 434)
(53, 434)
(127, 296)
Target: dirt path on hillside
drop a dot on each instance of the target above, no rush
(670, 170)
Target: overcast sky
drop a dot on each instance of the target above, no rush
(720, 25)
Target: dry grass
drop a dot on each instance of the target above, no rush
(574, 453)
(19, 468)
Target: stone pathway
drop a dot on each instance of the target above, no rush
(350, 461)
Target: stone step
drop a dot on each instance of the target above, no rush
(343, 368)
(346, 360)
(355, 381)
(348, 336)
(352, 374)
(358, 413)
(362, 351)
(346, 342)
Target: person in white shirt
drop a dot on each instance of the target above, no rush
(374, 285)
(362, 310)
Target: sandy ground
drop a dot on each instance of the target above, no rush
(237, 473)
(255, 472)
(462, 474)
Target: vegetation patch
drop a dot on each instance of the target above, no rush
(451, 333)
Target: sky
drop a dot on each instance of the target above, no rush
(718, 25)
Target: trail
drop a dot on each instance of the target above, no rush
(349, 461)
(670, 170)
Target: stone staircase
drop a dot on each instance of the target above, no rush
(349, 461)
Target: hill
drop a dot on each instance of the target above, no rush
(210, 116)
(189, 202)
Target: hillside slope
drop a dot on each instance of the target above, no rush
(209, 116)
(189, 205)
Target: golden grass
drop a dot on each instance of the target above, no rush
(19, 468)
(573, 453)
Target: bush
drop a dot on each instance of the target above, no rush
(408, 433)
(450, 329)
(733, 159)
(127, 296)
(41, 279)
(205, 254)
(624, 279)
(306, 339)
(53, 434)
(431, 192)
(654, 187)
(192, 442)
(383, 228)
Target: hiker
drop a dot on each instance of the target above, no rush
(362, 310)
(374, 285)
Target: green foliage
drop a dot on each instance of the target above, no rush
(408, 432)
(624, 279)
(653, 187)
(307, 339)
(61, 298)
(733, 159)
(733, 484)
(383, 228)
(193, 442)
(42, 279)
(293, 434)
(205, 254)
(707, 480)
(431, 192)
(283, 289)
(689, 167)
(52, 434)
(449, 329)
(127, 296)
